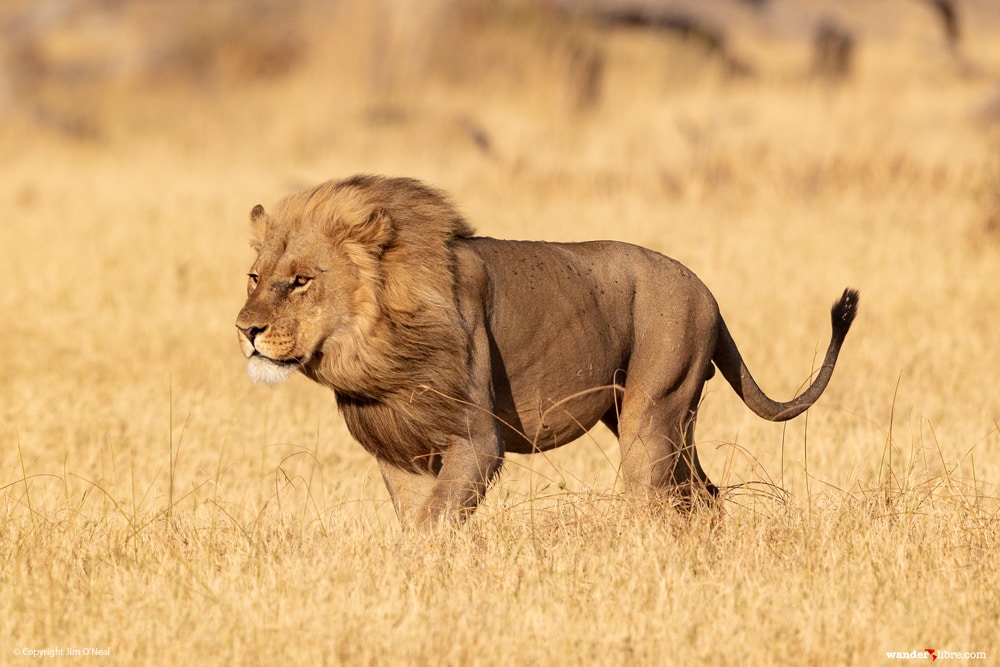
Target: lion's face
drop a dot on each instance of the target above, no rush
(301, 292)
(352, 285)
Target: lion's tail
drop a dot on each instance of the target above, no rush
(729, 361)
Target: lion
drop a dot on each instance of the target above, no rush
(447, 350)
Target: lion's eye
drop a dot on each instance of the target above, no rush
(252, 280)
(301, 281)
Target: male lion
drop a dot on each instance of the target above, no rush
(446, 350)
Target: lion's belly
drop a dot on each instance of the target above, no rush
(541, 419)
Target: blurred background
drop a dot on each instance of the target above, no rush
(100, 70)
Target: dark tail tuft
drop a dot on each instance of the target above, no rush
(843, 313)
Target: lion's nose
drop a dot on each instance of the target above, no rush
(251, 332)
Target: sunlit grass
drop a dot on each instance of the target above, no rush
(153, 501)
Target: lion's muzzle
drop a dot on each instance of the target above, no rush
(261, 368)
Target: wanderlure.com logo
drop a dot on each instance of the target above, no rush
(933, 654)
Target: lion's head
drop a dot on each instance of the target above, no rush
(348, 285)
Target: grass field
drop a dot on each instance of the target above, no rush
(157, 506)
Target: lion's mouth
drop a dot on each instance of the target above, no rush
(294, 361)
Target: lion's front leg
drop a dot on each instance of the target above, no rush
(467, 468)
(409, 491)
(472, 457)
(469, 462)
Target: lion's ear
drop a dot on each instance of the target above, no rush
(375, 230)
(258, 218)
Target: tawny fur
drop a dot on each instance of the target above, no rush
(446, 351)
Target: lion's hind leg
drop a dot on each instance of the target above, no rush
(656, 432)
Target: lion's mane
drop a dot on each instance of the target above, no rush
(398, 377)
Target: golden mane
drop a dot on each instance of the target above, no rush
(397, 233)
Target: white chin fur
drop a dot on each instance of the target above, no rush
(264, 371)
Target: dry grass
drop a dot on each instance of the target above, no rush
(155, 503)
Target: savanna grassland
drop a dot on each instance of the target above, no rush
(156, 505)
